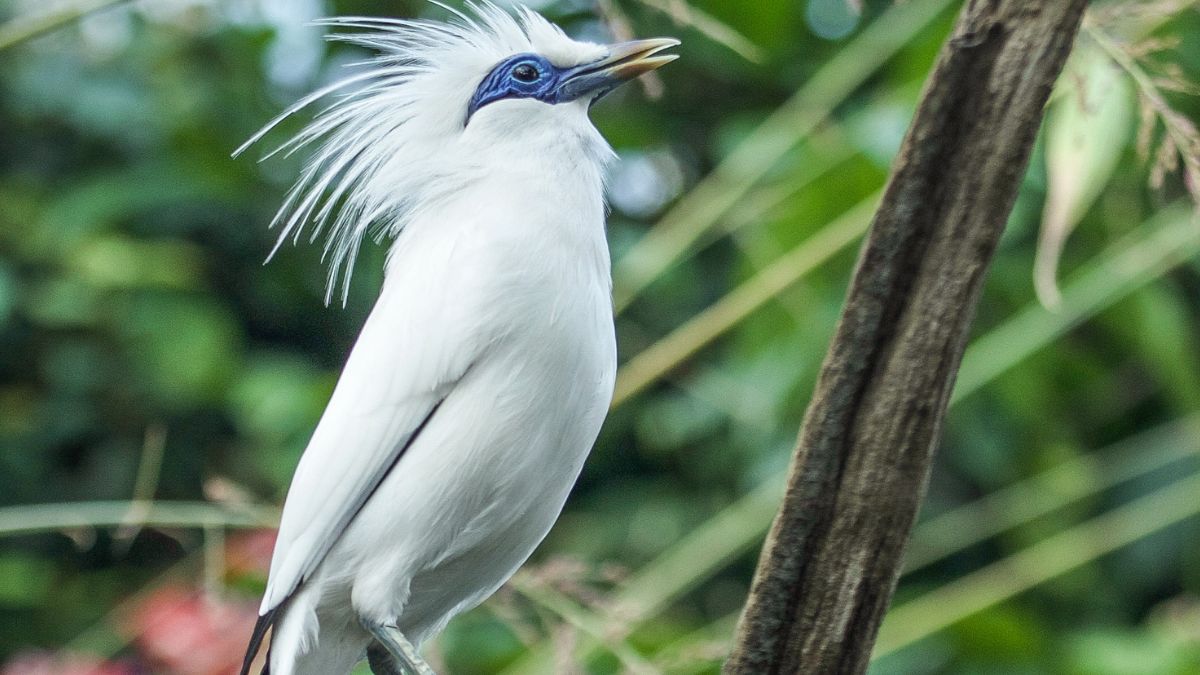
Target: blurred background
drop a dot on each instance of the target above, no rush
(158, 382)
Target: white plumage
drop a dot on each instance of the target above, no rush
(481, 378)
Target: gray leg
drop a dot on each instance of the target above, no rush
(404, 656)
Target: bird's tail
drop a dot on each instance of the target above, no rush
(264, 623)
(297, 648)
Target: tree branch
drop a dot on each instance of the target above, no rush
(833, 555)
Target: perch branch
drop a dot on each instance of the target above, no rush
(832, 557)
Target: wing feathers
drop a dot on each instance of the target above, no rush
(351, 508)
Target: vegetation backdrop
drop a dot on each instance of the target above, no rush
(158, 382)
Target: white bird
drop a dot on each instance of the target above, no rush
(481, 378)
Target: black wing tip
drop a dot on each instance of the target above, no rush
(267, 619)
(256, 638)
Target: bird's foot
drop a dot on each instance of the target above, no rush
(382, 662)
(393, 654)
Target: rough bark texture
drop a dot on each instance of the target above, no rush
(832, 558)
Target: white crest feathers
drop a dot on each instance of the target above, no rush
(384, 143)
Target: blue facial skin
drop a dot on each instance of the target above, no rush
(532, 76)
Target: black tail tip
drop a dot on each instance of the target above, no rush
(256, 639)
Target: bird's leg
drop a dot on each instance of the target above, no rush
(381, 661)
(397, 655)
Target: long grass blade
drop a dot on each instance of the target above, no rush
(29, 519)
(27, 27)
(703, 207)
(1078, 478)
(657, 360)
(1008, 508)
(1037, 564)
(1145, 254)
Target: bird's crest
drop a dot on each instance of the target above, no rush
(381, 144)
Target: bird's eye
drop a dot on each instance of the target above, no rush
(525, 73)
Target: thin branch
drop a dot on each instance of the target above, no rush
(214, 561)
(583, 620)
(145, 483)
(95, 639)
(1182, 142)
(27, 27)
(684, 14)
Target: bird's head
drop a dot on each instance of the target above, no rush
(435, 105)
(561, 72)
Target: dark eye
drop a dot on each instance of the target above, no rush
(525, 73)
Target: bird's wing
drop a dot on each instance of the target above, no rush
(408, 358)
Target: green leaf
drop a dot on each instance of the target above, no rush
(1087, 130)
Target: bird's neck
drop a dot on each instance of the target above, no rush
(544, 205)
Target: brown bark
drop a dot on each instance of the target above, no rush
(831, 560)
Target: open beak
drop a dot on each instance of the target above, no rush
(625, 61)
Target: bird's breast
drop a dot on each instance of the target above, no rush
(528, 273)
